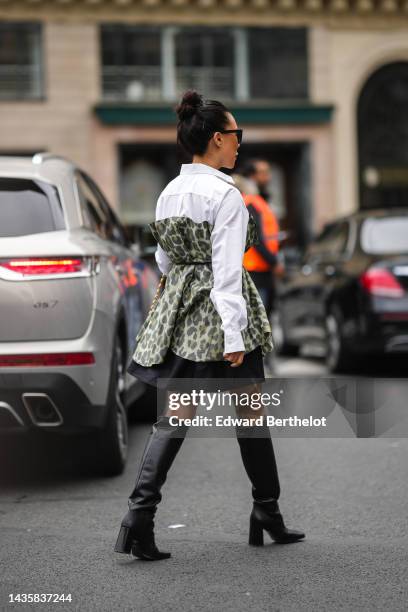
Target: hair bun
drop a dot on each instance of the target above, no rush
(189, 104)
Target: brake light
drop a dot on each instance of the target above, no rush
(380, 282)
(19, 268)
(43, 266)
(46, 360)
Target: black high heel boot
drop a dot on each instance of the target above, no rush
(260, 464)
(136, 535)
(266, 516)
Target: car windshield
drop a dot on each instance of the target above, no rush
(388, 235)
(28, 207)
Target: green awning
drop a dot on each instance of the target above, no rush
(298, 113)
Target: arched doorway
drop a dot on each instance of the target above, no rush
(383, 138)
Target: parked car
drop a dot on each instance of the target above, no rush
(73, 294)
(349, 293)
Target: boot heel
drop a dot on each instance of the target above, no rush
(124, 541)
(255, 533)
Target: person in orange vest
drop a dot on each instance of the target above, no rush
(262, 260)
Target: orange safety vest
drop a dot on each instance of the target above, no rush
(253, 261)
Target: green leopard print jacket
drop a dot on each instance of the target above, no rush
(184, 318)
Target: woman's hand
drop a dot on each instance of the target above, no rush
(235, 358)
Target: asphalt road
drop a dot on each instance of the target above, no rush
(59, 525)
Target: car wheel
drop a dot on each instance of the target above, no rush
(282, 346)
(338, 358)
(112, 441)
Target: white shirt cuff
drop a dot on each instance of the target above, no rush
(233, 342)
(163, 261)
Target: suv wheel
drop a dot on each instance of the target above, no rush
(112, 441)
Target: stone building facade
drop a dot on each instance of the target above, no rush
(96, 81)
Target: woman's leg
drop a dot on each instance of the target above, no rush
(259, 461)
(162, 446)
(136, 534)
(257, 449)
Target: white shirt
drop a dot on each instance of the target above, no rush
(203, 193)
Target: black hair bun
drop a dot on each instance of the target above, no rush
(190, 103)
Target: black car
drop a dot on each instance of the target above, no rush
(349, 292)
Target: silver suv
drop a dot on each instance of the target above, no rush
(73, 294)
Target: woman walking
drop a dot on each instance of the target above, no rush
(209, 322)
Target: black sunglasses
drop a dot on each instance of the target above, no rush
(237, 132)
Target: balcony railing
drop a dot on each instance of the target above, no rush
(19, 82)
(215, 82)
(137, 83)
(145, 83)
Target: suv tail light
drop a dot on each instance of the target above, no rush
(381, 282)
(33, 268)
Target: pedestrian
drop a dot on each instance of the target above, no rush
(209, 321)
(262, 259)
(254, 256)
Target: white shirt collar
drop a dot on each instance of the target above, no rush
(204, 169)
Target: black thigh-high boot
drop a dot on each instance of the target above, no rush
(136, 533)
(260, 464)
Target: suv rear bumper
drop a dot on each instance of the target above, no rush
(50, 401)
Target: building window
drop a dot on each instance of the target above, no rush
(144, 63)
(20, 61)
(278, 63)
(205, 61)
(131, 58)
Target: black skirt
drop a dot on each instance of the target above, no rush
(173, 366)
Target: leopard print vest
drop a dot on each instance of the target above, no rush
(184, 318)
